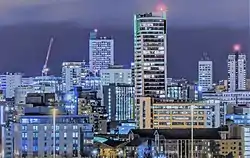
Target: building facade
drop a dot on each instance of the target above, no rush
(116, 74)
(246, 141)
(34, 136)
(8, 83)
(72, 73)
(119, 101)
(92, 82)
(150, 54)
(236, 97)
(175, 143)
(205, 74)
(162, 114)
(101, 52)
(237, 70)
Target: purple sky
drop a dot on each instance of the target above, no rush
(92, 13)
(25, 43)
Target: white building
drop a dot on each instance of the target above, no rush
(205, 74)
(237, 97)
(150, 54)
(101, 52)
(236, 70)
(21, 93)
(72, 73)
(26, 81)
(245, 135)
(116, 74)
(8, 83)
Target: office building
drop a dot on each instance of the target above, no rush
(133, 73)
(239, 119)
(150, 54)
(34, 136)
(21, 93)
(27, 81)
(92, 82)
(72, 74)
(8, 118)
(116, 74)
(8, 83)
(205, 73)
(88, 103)
(236, 69)
(246, 141)
(101, 52)
(119, 101)
(162, 114)
(236, 97)
(177, 92)
(49, 81)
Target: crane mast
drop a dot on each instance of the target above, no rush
(45, 67)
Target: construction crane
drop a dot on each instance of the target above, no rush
(45, 68)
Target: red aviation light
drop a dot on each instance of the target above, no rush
(161, 7)
(237, 47)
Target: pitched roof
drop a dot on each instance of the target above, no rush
(136, 142)
(113, 143)
(206, 133)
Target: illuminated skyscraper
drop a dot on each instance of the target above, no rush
(236, 63)
(150, 54)
(119, 101)
(101, 52)
(205, 73)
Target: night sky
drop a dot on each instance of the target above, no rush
(195, 26)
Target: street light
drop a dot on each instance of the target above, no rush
(54, 110)
(209, 155)
(120, 153)
(94, 152)
(192, 131)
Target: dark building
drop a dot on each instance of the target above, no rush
(175, 143)
(41, 99)
(89, 103)
(119, 101)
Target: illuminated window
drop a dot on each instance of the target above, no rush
(35, 128)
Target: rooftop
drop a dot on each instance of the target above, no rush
(208, 133)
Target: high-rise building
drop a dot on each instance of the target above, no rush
(72, 74)
(150, 54)
(236, 63)
(119, 101)
(101, 52)
(205, 73)
(133, 73)
(116, 74)
(246, 140)
(8, 83)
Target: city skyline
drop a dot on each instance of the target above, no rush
(77, 79)
(71, 37)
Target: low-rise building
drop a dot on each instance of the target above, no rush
(175, 143)
(160, 113)
(34, 136)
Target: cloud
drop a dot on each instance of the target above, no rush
(118, 12)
